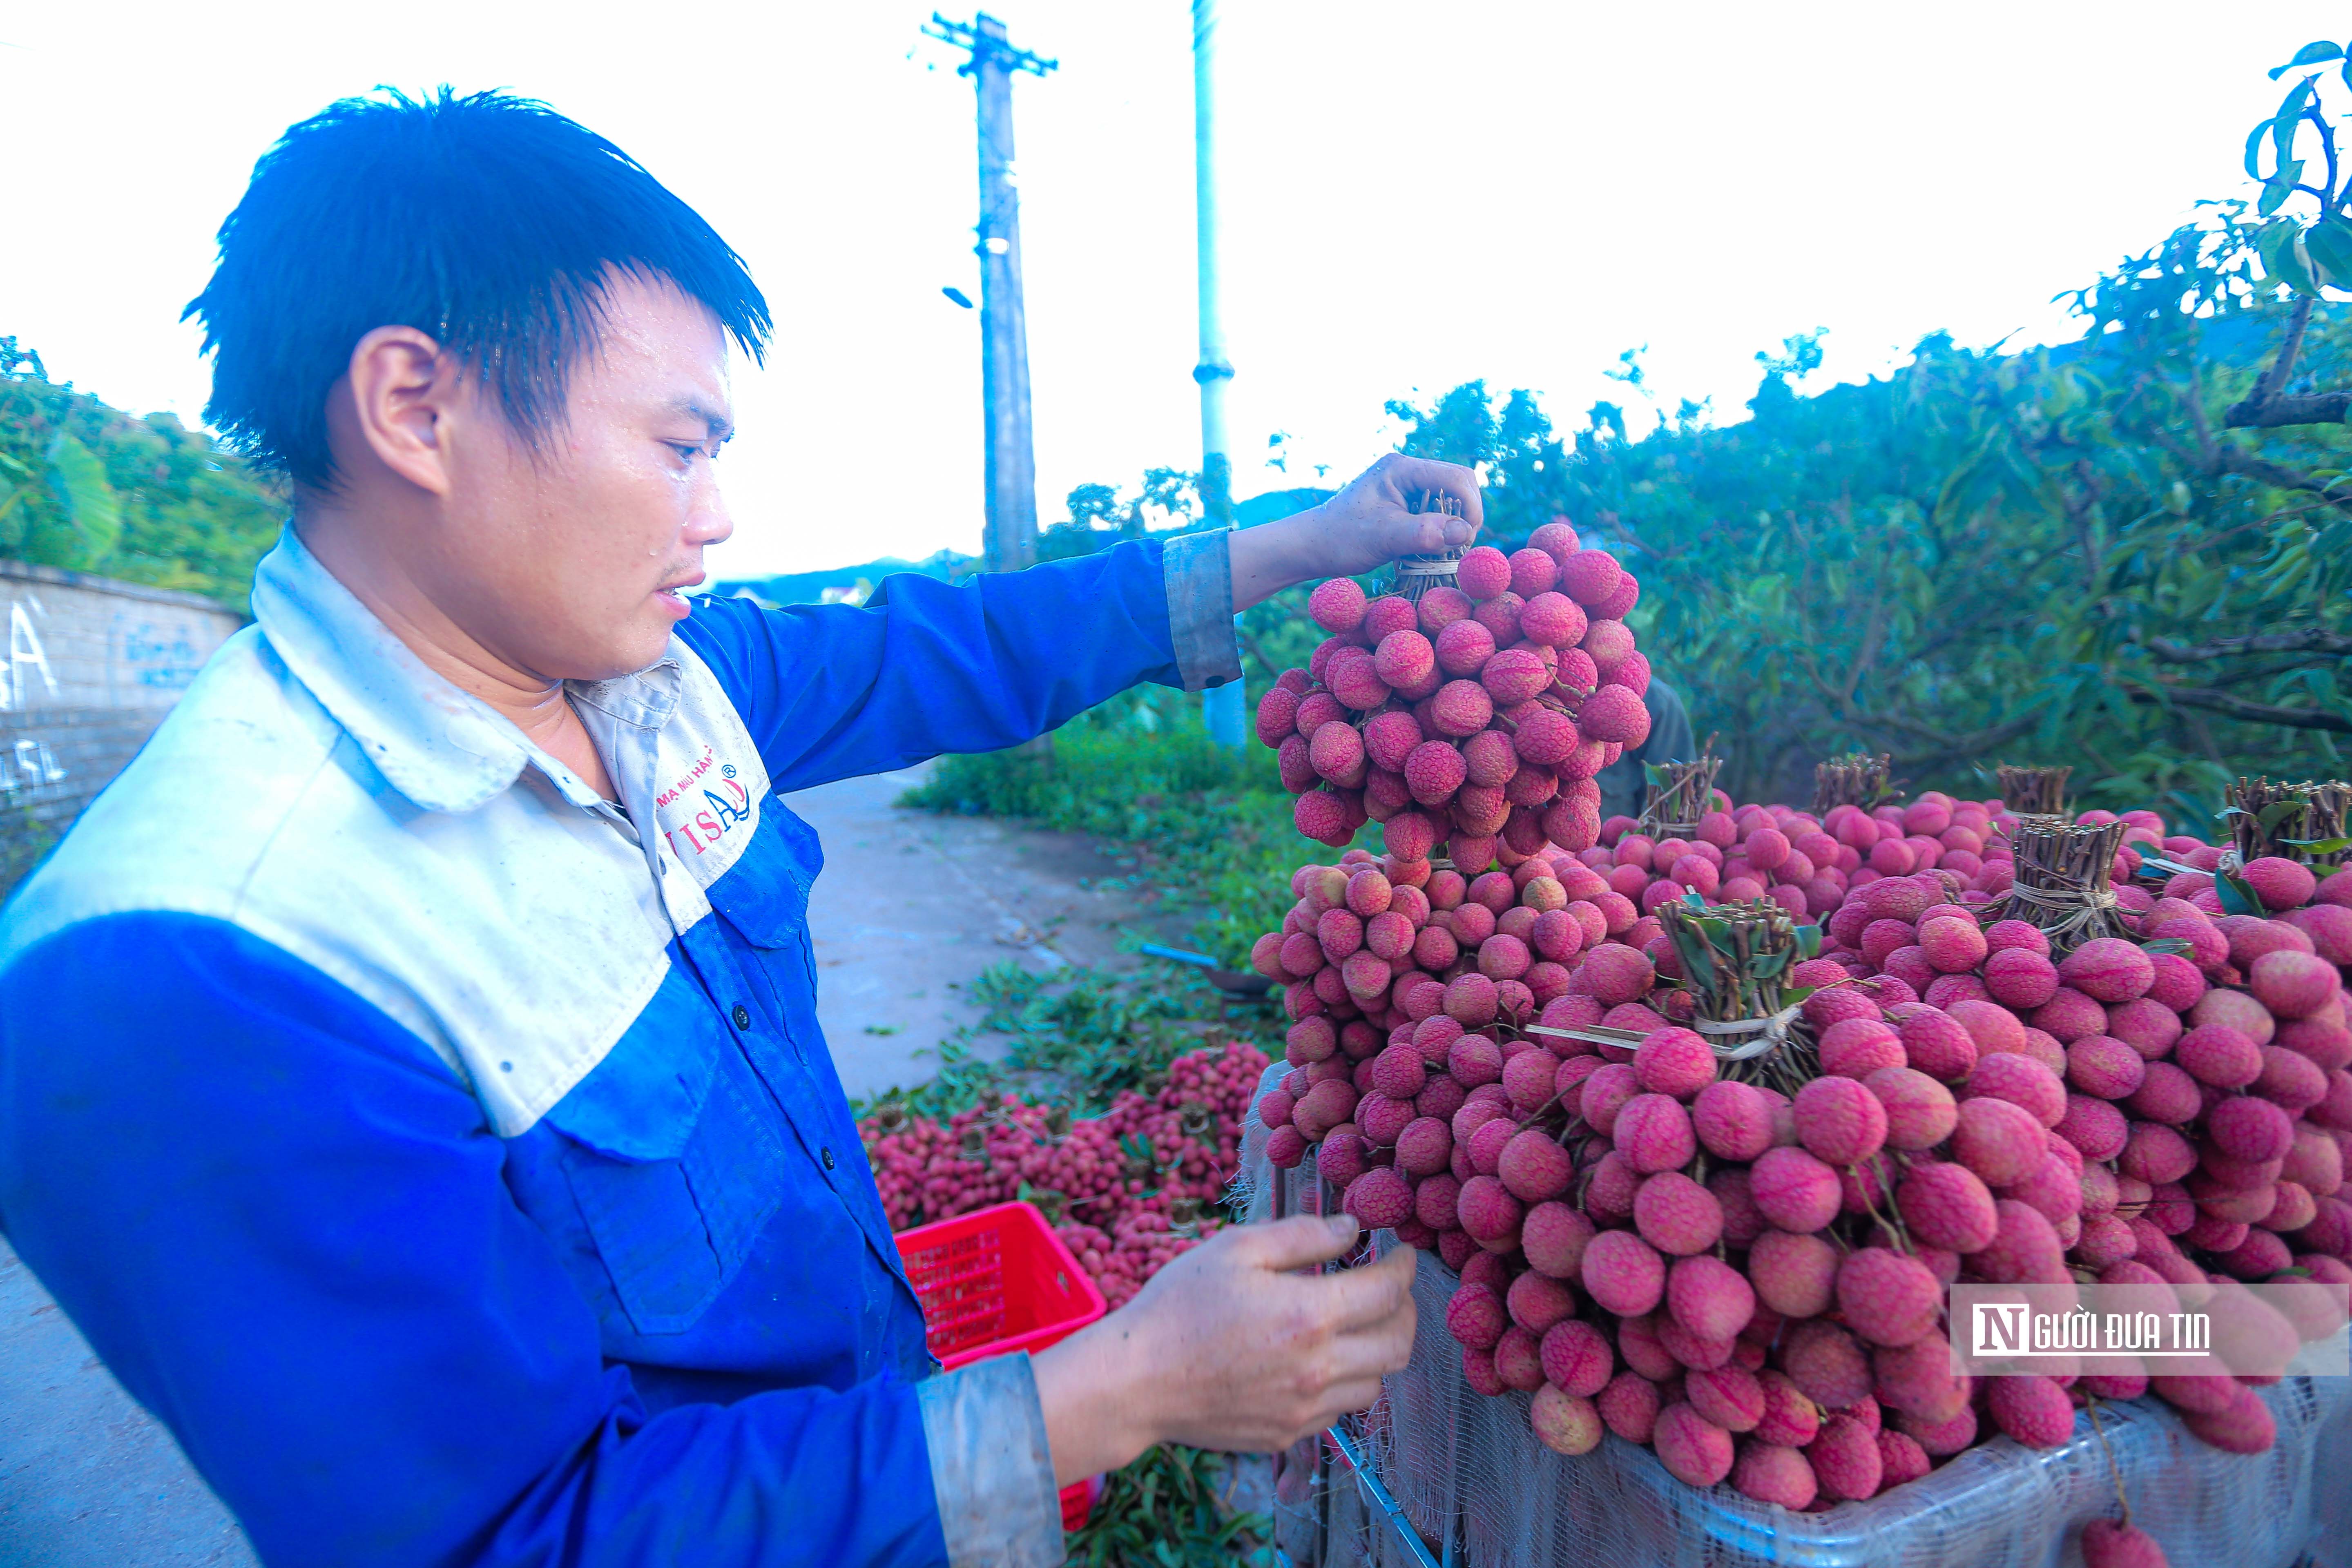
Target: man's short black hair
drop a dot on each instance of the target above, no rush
(487, 221)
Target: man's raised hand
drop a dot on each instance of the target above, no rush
(1367, 524)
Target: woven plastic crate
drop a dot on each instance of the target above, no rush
(994, 1281)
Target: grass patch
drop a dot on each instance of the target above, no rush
(1080, 1037)
(1170, 1508)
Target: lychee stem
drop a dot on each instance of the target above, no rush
(1892, 1227)
(2090, 1408)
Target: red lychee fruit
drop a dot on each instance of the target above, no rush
(1886, 1298)
(1589, 576)
(2033, 1410)
(1795, 1275)
(1482, 572)
(1709, 1296)
(1623, 1273)
(1613, 713)
(2112, 1543)
(1770, 1472)
(2281, 884)
(2001, 1143)
(1512, 676)
(1732, 1119)
(1845, 1459)
(1695, 1450)
(2109, 969)
(1405, 659)
(1461, 708)
(1441, 607)
(1947, 1205)
(1839, 1121)
(1793, 1190)
(1336, 605)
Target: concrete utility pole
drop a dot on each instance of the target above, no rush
(1010, 541)
(1221, 707)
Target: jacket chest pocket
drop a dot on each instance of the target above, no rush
(764, 897)
(672, 1233)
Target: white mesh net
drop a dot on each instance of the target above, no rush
(1466, 1469)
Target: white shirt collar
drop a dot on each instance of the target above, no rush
(442, 747)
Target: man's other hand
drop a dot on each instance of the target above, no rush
(1230, 1347)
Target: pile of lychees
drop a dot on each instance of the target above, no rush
(1126, 1191)
(1752, 1281)
(1477, 715)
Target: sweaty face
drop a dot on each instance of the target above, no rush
(570, 560)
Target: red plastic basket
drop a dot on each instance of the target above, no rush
(998, 1280)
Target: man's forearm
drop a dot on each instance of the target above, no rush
(1272, 556)
(1096, 1389)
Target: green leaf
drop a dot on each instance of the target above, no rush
(1765, 965)
(2320, 845)
(2275, 245)
(1699, 963)
(1809, 940)
(2278, 187)
(2237, 897)
(2328, 244)
(89, 501)
(2298, 98)
(2255, 149)
(1694, 900)
(2278, 811)
(2164, 944)
(2309, 55)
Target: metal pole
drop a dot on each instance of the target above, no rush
(1222, 706)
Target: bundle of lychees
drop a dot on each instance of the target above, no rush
(1477, 715)
(1653, 1240)
(1126, 1191)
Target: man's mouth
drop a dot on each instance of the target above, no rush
(673, 593)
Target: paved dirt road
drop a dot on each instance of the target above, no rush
(910, 909)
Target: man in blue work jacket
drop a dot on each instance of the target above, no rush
(410, 1077)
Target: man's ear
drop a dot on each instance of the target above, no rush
(404, 391)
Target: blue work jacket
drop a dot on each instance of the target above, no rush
(451, 1157)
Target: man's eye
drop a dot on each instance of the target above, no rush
(687, 450)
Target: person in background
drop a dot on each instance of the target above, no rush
(1623, 784)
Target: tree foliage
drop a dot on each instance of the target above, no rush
(86, 487)
(2130, 554)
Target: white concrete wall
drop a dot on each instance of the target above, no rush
(91, 667)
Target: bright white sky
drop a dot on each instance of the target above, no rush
(1414, 195)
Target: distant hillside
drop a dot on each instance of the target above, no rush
(840, 584)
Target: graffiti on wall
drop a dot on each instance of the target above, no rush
(34, 763)
(157, 655)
